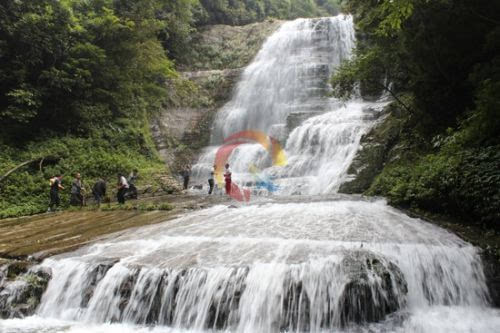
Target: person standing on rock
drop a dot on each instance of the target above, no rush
(76, 191)
(227, 179)
(122, 188)
(186, 173)
(211, 180)
(99, 191)
(55, 186)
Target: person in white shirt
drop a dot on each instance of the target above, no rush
(122, 188)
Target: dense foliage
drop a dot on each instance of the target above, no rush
(67, 66)
(440, 60)
(237, 12)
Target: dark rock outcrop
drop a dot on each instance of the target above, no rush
(378, 147)
(372, 288)
(96, 275)
(375, 288)
(491, 267)
(21, 296)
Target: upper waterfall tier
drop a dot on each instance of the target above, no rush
(289, 74)
(284, 93)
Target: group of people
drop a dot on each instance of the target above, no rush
(211, 179)
(126, 188)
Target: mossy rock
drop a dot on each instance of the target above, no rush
(20, 297)
(225, 46)
(379, 146)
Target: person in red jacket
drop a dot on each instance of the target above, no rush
(227, 179)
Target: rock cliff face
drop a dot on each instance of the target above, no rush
(224, 46)
(180, 132)
(211, 69)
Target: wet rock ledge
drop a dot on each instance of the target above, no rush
(371, 287)
(26, 241)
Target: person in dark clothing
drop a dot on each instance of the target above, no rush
(99, 191)
(186, 173)
(227, 179)
(211, 180)
(132, 190)
(122, 188)
(76, 191)
(55, 186)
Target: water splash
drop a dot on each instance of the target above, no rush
(263, 268)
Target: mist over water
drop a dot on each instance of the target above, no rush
(283, 263)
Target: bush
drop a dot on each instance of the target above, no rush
(457, 182)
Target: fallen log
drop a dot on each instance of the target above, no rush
(17, 167)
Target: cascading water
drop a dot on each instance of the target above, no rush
(286, 84)
(325, 265)
(314, 263)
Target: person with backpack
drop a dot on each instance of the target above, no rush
(55, 185)
(122, 188)
(132, 190)
(76, 191)
(99, 191)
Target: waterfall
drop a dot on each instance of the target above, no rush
(288, 263)
(289, 74)
(284, 93)
(267, 268)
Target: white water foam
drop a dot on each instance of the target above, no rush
(238, 265)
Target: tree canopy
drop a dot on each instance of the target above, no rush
(441, 56)
(236, 12)
(71, 65)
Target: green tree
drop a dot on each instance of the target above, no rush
(68, 66)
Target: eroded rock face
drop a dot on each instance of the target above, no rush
(21, 296)
(375, 288)
(363, 287)
(377, 148)
(96, 276)
(226, 46)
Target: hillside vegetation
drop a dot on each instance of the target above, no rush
(442, 60)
